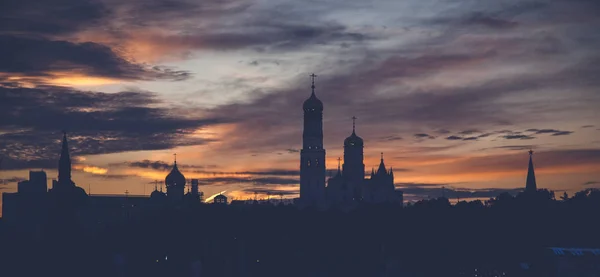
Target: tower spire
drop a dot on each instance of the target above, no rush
(64, 164)
(175, 158)
(339, 163)
(353, 124)
(531, 185)
(313, 76)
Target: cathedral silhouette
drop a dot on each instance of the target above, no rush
(349, 184)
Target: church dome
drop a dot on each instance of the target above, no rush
(312, 103)
(353, 140)
(175, 177)
(157, 195)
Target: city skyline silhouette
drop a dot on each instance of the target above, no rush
(284, 138)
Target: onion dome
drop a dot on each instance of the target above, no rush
(313, 103)
(175, 177)
(353, 139)
(157, 195)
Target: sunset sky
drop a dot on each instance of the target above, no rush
(454, 93)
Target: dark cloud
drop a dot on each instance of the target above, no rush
(11, 180)
(273, 172)
(484, 135)
(97, 123)
(442, 131)
(269, 191)
(553, 132)
(454, 138)
(562, 133)
(50, 17)
(249, 180)
(587, 126)
(470, 138)
(164, 166)
(113, 176)
(518, 137)
(591, 183)
(391, 138)
(423, 136)
(515, 147)
(38, 57)
(409, 185)
(157, 165)
(292, 150)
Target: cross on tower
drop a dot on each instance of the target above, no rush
(353, 123)
(530, 152)
(339, 162)
(175, 157)
(313, 76)
(382, 156)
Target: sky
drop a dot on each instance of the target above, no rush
(454, 93)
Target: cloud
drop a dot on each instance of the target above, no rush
(31, 120)
(50, 59)
(250, 180)
(515, 147)
(554, 132)
(591, 183)
(163, 166)
(292, 150)
(562, 133)
(12, 180)
(518, 137)
(470, 138)
(391, 138)
(587, 126)
(454, 138)
(269, 191)
(423, 136)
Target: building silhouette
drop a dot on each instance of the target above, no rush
(530, 185)
(348, 185)
(34, 203)
(312, 155)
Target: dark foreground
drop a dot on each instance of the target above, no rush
(506, 237)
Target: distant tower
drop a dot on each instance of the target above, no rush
(175, 183)
(195, 192)
(312, 155)
(354, 167)
(64, 167)
(530, 186)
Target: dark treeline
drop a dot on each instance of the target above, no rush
(428, 238)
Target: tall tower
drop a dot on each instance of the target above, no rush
(354, 167)
(64, 167)
(312, 155)
(530, 186)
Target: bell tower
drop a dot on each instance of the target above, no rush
(312, 155)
